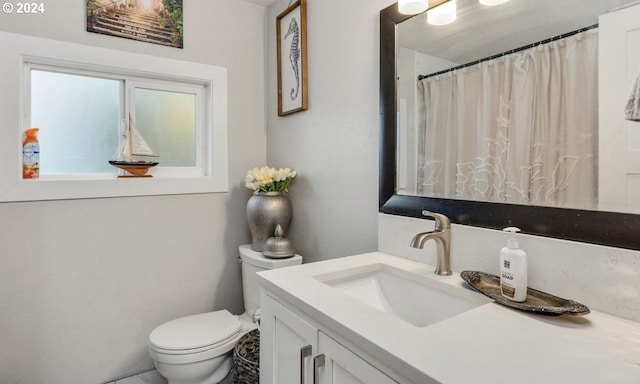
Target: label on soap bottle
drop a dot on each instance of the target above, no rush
(508, 290)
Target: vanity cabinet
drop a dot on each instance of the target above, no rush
(341, 366)
(287, 344)
(294, 350)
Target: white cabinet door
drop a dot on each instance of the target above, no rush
(341, 366)
(287, 345)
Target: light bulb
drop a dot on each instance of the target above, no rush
(492, 2)
(443, 14)
(412, 7)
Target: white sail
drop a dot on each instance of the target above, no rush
(138, 145)
(134, 144)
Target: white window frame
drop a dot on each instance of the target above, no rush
(20, 52)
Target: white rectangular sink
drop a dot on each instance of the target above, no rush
(413, 297)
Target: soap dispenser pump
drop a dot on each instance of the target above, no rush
(513, 269)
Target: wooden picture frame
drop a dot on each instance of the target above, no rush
(291, 29)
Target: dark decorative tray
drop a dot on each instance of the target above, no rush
(537, 301)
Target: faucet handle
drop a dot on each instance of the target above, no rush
(442, 221)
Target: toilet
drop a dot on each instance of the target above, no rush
(198, 349)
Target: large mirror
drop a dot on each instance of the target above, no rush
(415, 63)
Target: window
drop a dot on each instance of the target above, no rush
(78, 117)
(79, 97)
(168, 120)
(61, 104)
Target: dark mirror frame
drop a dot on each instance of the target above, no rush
(620, 230)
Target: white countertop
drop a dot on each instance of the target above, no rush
(487, 344)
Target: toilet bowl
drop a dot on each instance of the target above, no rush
(197, 349)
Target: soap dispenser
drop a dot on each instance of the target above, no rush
(513, 269)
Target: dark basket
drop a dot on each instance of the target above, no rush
(246, 359)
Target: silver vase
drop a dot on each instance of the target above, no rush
(265, 211)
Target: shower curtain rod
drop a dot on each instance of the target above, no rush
(532, 45)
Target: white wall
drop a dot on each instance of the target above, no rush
(83, 282)
(333, 144)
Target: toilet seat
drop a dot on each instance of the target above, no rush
(195, 338)
(191, 356)
(194, 334)
(231, 338)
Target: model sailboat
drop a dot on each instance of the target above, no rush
(132, 146)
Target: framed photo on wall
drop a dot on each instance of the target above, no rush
(291, 29)
(150, 21)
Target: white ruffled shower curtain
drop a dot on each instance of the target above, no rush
(518, 129)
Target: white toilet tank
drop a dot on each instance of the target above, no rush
(253, 262)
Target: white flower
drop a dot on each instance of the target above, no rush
(267, 179)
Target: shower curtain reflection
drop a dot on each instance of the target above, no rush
(518, 129)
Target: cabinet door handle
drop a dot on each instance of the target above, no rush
(318, 362)
(304, 353)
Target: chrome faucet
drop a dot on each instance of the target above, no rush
(442, 236)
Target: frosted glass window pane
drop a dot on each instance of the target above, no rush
(79, 119)
(167, 121)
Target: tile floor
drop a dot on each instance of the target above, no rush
(150, 377)
(153, 377)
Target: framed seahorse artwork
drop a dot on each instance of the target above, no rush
(291, 29)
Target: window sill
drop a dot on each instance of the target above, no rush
(100, 186)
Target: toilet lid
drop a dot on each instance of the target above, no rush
(197, 331)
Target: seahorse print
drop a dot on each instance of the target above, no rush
(294, 55)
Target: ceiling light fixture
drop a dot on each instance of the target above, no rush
(443, 14)
(492, 2)
(412, 7)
